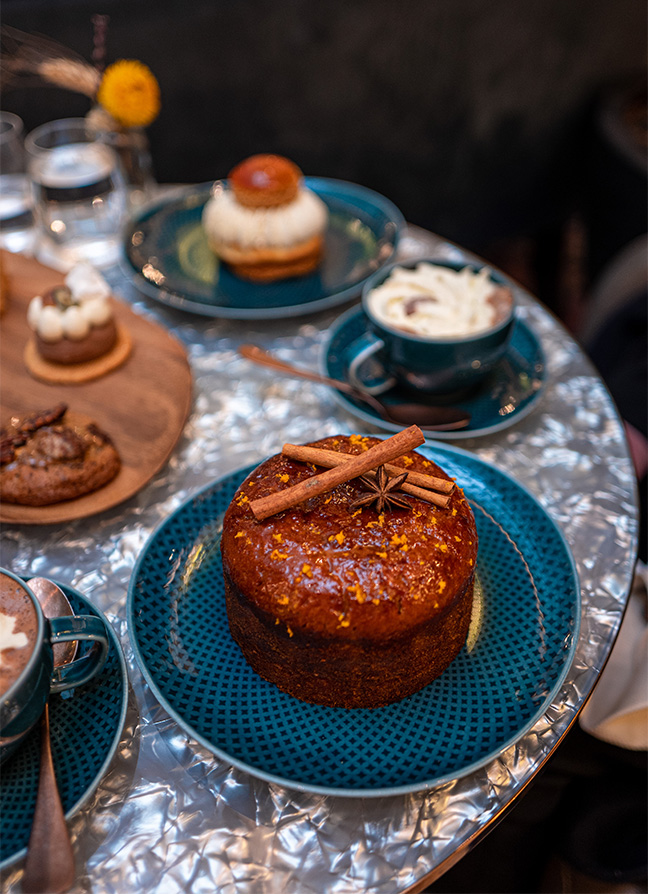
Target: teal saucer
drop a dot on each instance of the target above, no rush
(165, 252)
(85, 730)
(509, 393)
(498, 687)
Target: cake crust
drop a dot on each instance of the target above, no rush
(348, 608)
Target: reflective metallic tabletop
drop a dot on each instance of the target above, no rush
(168, 816)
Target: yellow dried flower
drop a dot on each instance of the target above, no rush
(130, 93)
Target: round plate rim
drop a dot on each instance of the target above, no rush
(174, 299)
(459, 434)
(389, 791)
(120, 724)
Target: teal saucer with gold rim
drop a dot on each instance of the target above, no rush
(509, 393)
(85, 730)
(166, 253)
(517, 655)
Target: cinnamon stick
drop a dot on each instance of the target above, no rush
(320, 456)
(377, 455)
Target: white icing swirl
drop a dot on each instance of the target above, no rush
(75, 325)
(96, 311)
(9, 638)
(49, 324)
(34, 312)
(85, 282)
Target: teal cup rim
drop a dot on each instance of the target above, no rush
(381, 275)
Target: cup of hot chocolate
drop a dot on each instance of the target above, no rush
(27, 672)
(434, 326)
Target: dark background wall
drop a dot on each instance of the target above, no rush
(474, 116)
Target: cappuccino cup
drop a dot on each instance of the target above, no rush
(27, 673)
(434, 326)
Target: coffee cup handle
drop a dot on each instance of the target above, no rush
(361, 350)
(81, 670)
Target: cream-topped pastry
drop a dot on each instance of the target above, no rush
(74, 322)
(71, 310)
(265, 222)
(435, 301)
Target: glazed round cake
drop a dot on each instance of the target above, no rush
(348, 607)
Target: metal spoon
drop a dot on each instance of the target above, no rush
(50, 860)
(433, 418)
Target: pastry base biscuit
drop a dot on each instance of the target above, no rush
(272, 272)
(78, 373)
(56, 461)
(269, 264)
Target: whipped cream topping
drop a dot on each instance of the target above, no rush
(89, 306)
(85, 282)
(282, 225)
(435, 301)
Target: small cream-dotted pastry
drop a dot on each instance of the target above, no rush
(75, 335)
(264, 222)
(74, 322)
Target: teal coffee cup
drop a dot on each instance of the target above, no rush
(434, 326)
(27, 673)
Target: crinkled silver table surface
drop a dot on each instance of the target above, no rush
(170, 817)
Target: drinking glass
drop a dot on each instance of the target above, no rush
(16, 218)
(79, 192)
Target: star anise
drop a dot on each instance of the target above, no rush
(382, 489)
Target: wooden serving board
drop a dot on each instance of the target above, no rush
(143, 405)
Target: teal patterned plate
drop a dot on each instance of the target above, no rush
(85, 730)
(166, 253)
(519, 650)
(509, 393)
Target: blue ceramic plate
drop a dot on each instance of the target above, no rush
(489, 696)
(166, 251)
(85, 731)
(520, 375)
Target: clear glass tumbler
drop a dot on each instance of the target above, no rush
(80, 196)
(16, 219)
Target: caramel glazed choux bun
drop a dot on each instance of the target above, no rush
(267, 225)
